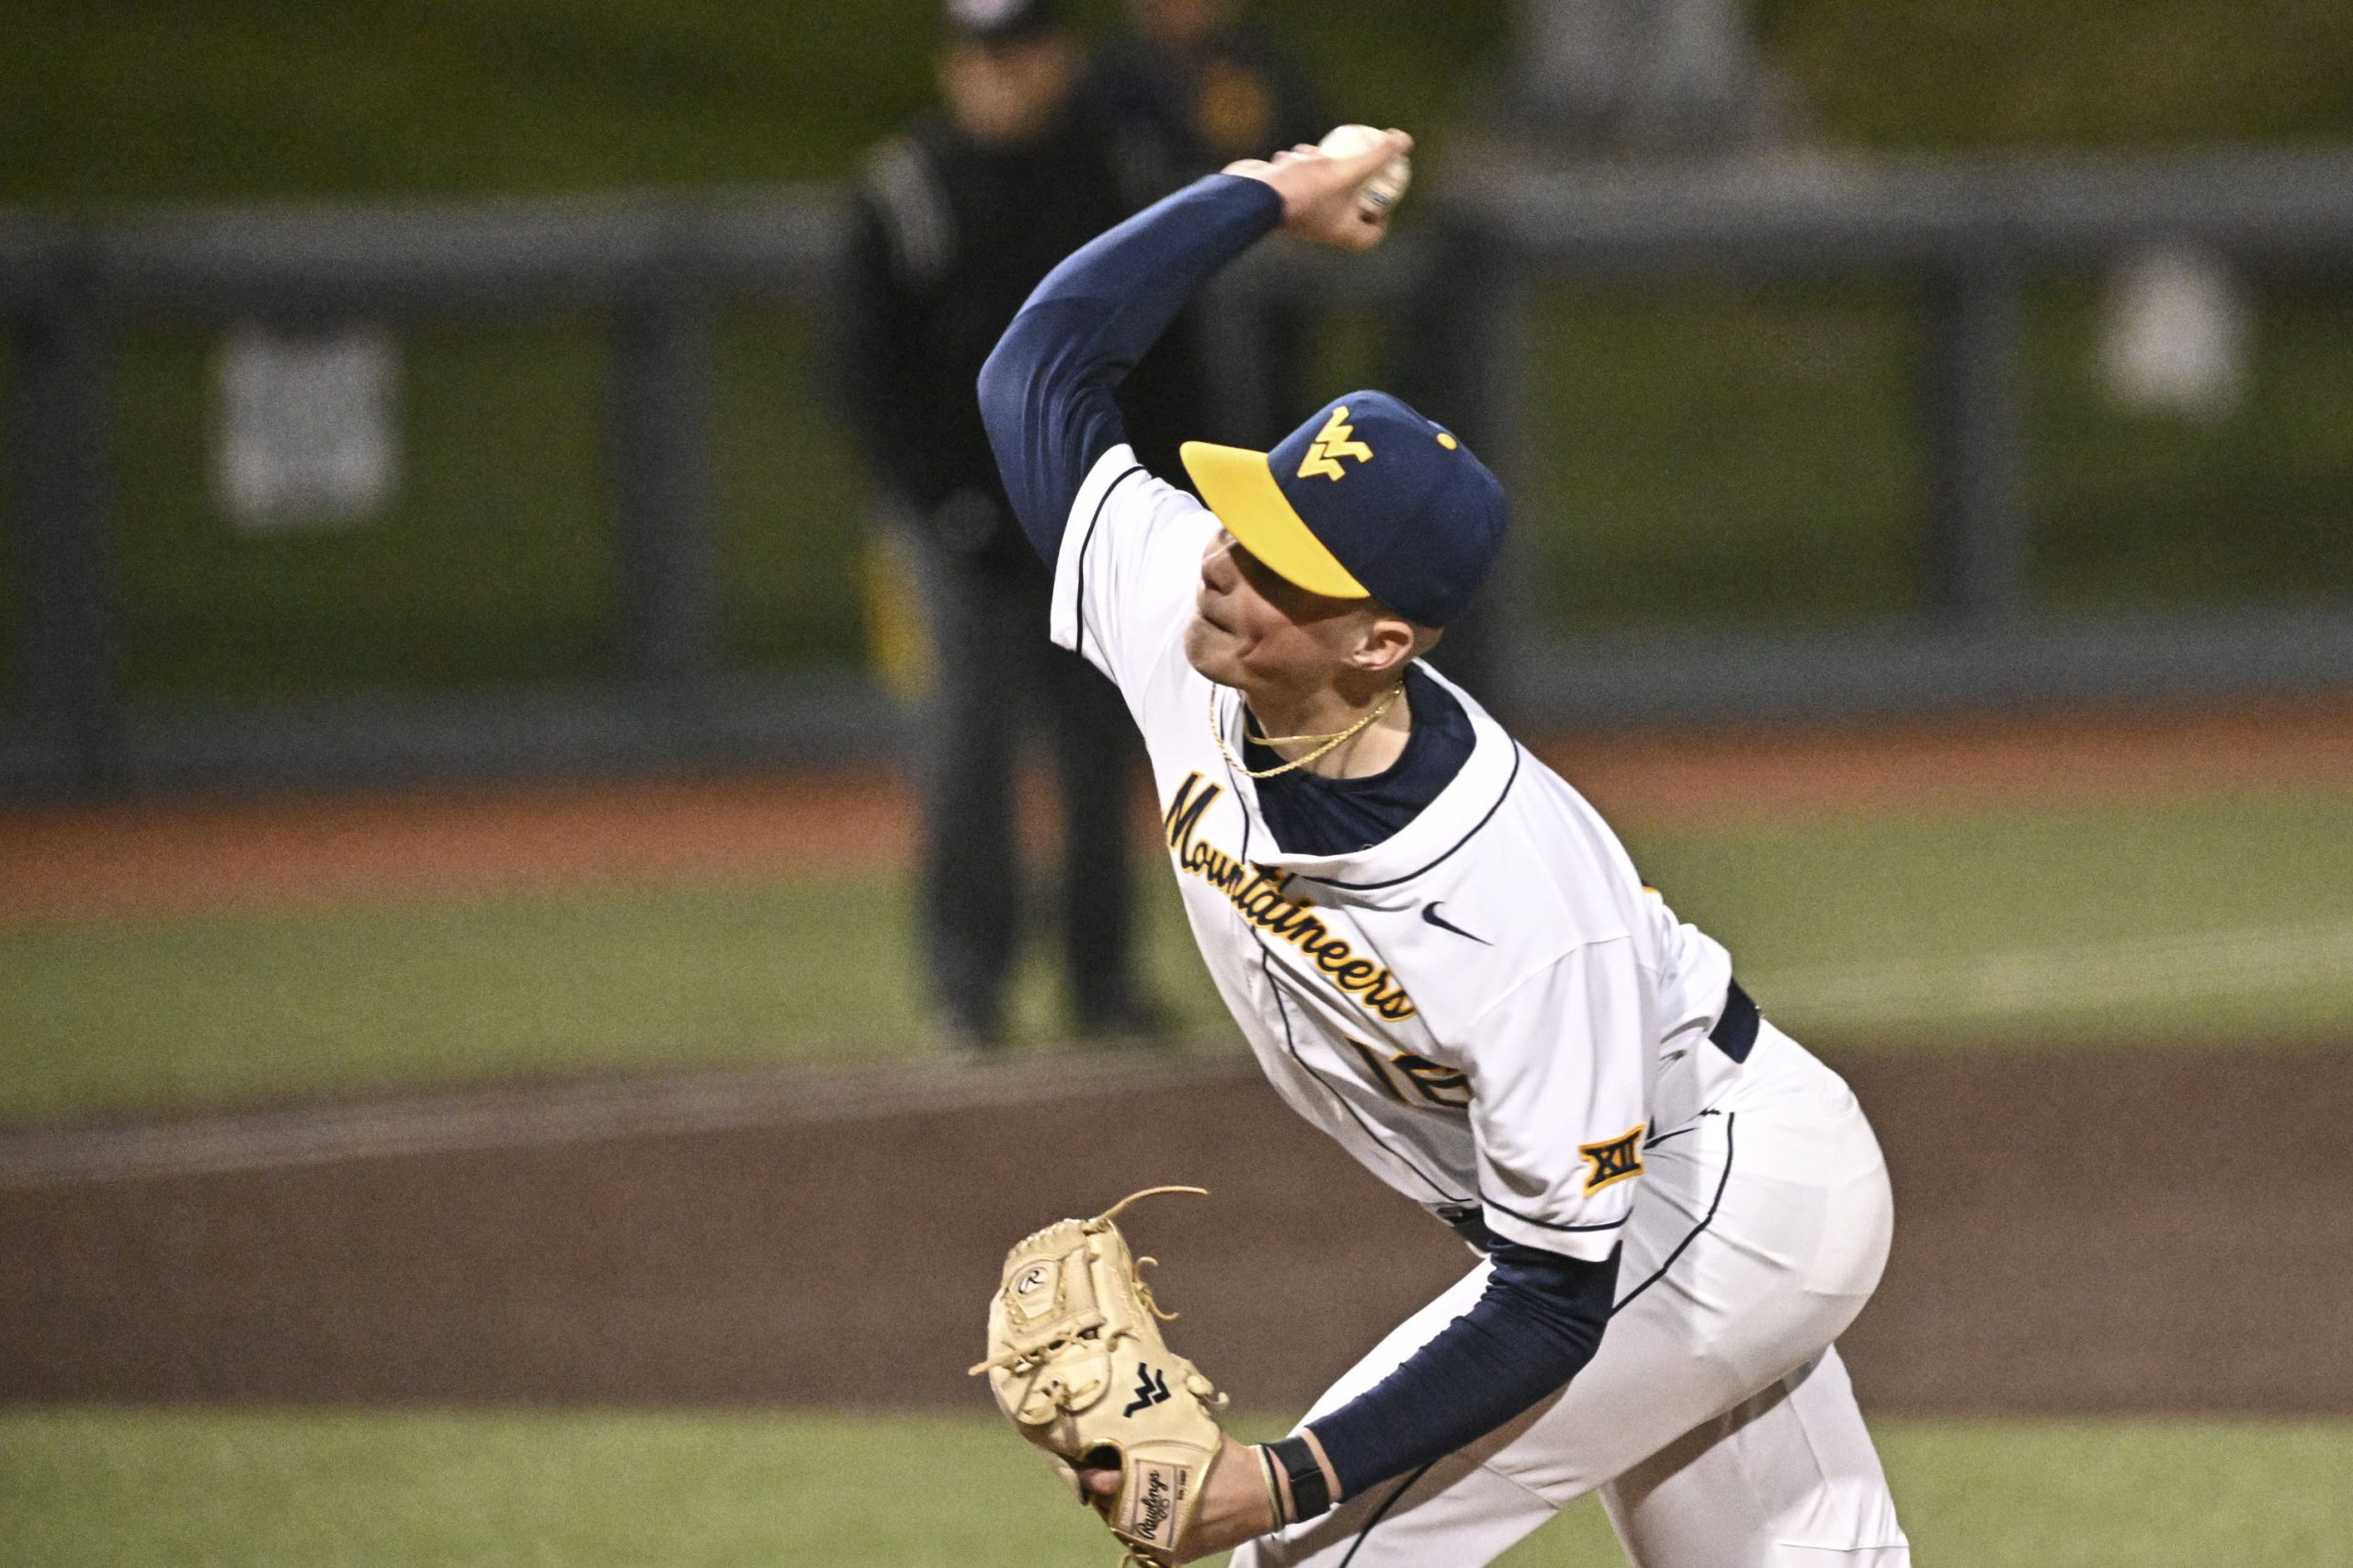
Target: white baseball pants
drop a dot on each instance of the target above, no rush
(1716, 1420)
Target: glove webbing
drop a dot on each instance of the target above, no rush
(1095, 1318)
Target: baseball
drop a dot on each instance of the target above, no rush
(1381, 192)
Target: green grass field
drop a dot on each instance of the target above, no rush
(2197, 920)
(328, 1489)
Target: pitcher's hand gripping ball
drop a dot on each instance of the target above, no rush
(1387, 186)
(1076, 1360)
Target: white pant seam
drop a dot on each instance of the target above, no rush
(1514, 1482)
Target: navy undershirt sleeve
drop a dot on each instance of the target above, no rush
(1539, 1322)
(1046, 390)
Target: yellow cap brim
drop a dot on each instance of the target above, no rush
(1239, 486)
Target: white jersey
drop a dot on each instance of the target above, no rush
(1489, 1008)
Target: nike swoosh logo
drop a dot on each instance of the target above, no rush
(1430, 914)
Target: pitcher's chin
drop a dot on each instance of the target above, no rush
(1210, 652)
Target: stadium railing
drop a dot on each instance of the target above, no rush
(1456, 288)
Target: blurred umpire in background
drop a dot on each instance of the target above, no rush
(957, 219)
(1193, 87)
(1190, 88)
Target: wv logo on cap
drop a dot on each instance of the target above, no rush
(1331, 443)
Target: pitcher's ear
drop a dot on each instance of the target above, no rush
(1388, 643)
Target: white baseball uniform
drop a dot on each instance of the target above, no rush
(1493, 1013)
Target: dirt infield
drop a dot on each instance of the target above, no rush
(82, 860)
(2104, 1232)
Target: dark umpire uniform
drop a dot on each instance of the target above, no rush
(1190, 88)
(951, 233)
(1186, 101)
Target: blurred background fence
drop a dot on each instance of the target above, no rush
(630, 537)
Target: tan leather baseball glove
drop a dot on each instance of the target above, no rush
(1076, 1361)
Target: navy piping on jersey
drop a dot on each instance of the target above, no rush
(1475, 827)
(1383, 1512)
(1078, 595)
(1544, 1224)
(1654, 1143)
(1291, 1042)
(1722, 1182)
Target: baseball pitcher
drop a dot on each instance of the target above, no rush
(1441, 957)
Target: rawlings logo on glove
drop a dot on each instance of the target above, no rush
(1077, 1362)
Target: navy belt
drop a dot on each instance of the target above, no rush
(1736, 1031)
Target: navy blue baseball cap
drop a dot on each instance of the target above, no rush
(1366, 500)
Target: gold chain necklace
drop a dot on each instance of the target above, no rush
(1331, 743)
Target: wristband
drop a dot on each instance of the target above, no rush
(1310, 1493)
(1274, 1488)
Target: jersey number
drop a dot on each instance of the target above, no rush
(1405, 1077)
